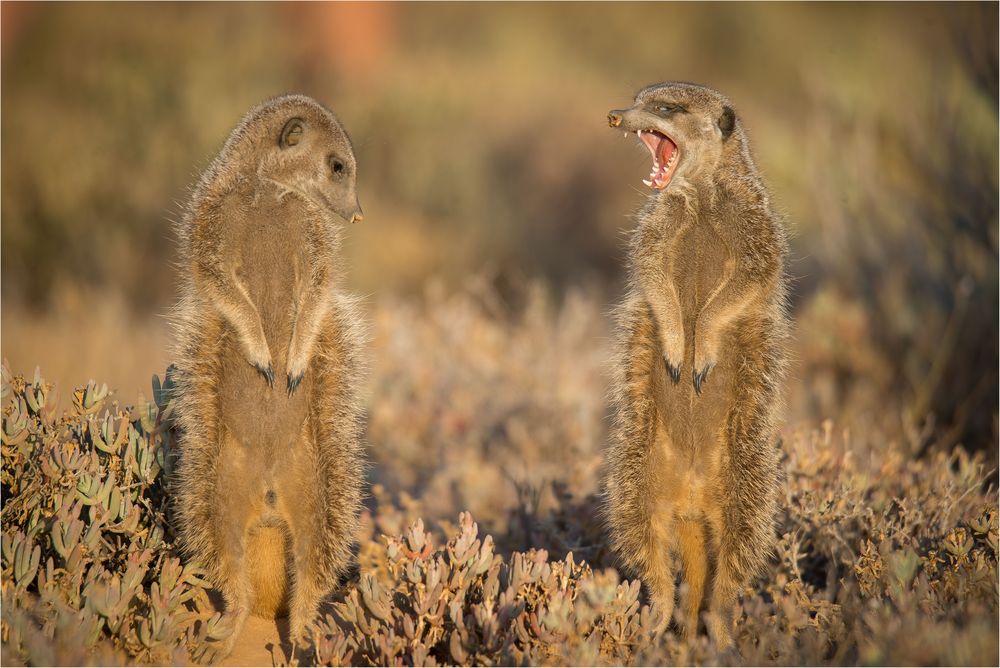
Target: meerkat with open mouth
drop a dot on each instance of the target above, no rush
(692, 470)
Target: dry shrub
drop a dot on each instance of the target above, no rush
(89, 571)
(482, 399)
(885, 560)
(881, 561)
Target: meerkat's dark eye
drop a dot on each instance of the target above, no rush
(667, 109)
(336, 166)
(727, 122)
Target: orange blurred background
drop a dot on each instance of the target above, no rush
(483, 151)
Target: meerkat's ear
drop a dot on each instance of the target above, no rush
(291, 133)
(727, 122)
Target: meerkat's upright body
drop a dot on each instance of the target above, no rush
(692, 468)
(268, 483)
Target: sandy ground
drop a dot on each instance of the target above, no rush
(262, 643)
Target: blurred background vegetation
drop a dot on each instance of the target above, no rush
(483, 152)
(497, 203)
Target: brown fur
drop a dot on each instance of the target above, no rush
(693, 476)
(268, 484)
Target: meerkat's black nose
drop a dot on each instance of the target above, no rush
(614, 118)
(357, 217)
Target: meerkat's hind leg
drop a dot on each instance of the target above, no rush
(725, 589)
(306, 591)
(725, 584)
(721, 606)
(234, 578)
(306, 595)
(234, 515)
(659, 577)
(301, 505)
(238, 603)
(719, 618)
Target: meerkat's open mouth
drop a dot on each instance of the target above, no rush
(666, 156)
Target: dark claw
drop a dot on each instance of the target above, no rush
(293, 383)
(268, 373)
(700, 378)
(673, 371)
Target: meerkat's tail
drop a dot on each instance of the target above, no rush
(267, 562)
(694, 569)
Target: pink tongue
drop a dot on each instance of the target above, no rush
(665, 150)
(652, 141)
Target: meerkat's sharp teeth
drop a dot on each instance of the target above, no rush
(648, 183)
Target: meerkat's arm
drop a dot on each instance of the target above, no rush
(311, 305)
(226, 292)
(748, 278)
(660, 293)
(724, 305)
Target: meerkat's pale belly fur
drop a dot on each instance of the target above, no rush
(692, 424)
(689, 445)
(265, 456)
(267, 479)
(692, 477)
(272, 283)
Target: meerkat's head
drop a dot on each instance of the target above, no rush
(685, 127)
(296, 144)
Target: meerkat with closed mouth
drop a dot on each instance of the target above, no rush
(692, 469)
(268, 480)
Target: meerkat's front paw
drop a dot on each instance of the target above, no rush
(705, 357)
(259, 355)
(296, 371)
(701, 376)
(673, 371)
(293, 383)
(673, 356)
(266, 371)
